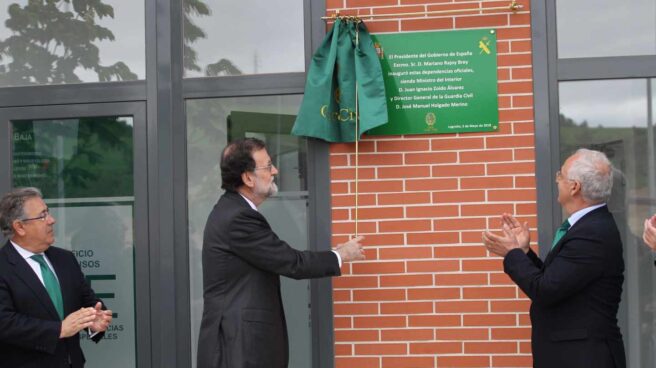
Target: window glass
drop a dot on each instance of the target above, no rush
(616, 117)
(223, 37)
(595, 28)
(211, 123)
(84, 168)
(64, 41)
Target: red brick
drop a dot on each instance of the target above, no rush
(355, 282)
(377, 159)
(405, 2)
(486, 182)
(512, 168)
(482, 21)
(522, 72)
(380, 349)
(342, 322)
(495, 264)
(332, 4)
(513, 33)
(456, 279)
(503, 47)
(342, 362)
(460, 224)
(525, 153)
(339, 188)
(342, 295)
(380, 322)
(406, 308)
(460, 252)
(459, 196)
(486, 209)
(382, 239)
(488, 319)
(512, 361)
(526, 208)
(461, 307)
(343, 349)
(349, 227)
(349, 200)
(450, 7)
(340, 215)
(408, 362)
(516, 333)
(349, 174)
(520, 46)
(374, 268)
(378, 186)
(378, 295)
(406, 280)
(356, 335)
(520, 20)
(459, 170)
(432, 211)
(369, 3)
(436, 348)
(407, 334)
(406, 253)
(510, 305)
(434, 320)
(499, 278)
(451, 237)
(505, 88)
(427, 24)
(505, 102)
(522, 101)
(431, 158)
(492, 347)
(489, 292)
(382, 26)
(403, 198)
(404, 225)
(435, 293)
(431, 184)
(404, 172)
(463, 361)
(338, 160)
(355, 308)
(525, 347)
(461, 334)
(511, 195)
(433, 266)
(377, 213)
(486, 156)
(516, 115)
(514, 60)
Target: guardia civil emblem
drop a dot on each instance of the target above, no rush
(430, 119)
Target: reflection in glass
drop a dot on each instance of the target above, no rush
(211, 123)
(596, 28)
(615, 116)
(84, 168)
(67, 41)
(246, 37)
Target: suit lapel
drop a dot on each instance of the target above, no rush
(581, 222)
(27, 275)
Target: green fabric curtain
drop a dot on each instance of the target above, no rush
(328, 109)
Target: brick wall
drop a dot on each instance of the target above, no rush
(428, 294)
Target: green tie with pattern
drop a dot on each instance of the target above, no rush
(560, 233)
(51, 284)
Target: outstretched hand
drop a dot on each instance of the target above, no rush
(351, 250)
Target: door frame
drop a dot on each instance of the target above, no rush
(137, 110)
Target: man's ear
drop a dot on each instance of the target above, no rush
(248, 179)
(18, 227)
(575, 188)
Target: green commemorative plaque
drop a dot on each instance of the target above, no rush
(439, 82)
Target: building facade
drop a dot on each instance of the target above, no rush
(118, 111)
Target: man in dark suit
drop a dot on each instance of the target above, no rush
(44, 299)
(243, 322)
(576, 291)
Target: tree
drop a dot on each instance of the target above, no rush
(52, 38)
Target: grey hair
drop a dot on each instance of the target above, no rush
(12, 207)
(595, 173)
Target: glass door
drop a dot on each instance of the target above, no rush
(89, 162)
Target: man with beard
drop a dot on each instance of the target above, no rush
(243, 322)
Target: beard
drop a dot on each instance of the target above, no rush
(265, 190)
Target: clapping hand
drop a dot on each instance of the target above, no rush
(514, 235)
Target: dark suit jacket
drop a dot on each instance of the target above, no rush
(243, 321)
(29, 324)
(575, 294)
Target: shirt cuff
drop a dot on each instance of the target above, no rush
(339, 259)
(91, 333)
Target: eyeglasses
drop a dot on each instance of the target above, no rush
(267, 167)
(42, 217)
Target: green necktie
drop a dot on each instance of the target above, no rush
(560, 233)
(52, 285)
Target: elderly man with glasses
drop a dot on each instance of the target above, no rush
(45, 300)
(576, 290)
